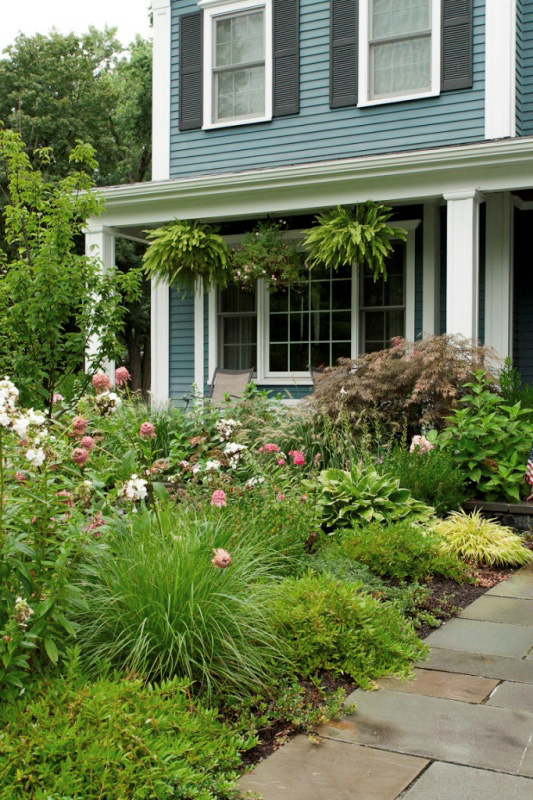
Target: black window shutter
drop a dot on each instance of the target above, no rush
(456, 45)
(343, 53)
(190, 71)
(286, 44)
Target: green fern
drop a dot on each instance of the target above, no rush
(185, 250)
(344, 236)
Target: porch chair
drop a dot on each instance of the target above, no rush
(231, 382)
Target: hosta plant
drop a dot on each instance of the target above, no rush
(347, 236)
(362, 495)
(489, 440)
(186, 250)
(482, 541)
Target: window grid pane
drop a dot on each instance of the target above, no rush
(310, 325)
(239, 66)
(237, 328)
(382, 308)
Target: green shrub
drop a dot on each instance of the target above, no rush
(431, 477)
(363, 495)
(326, 623)
(117, 739)
(514, 390)
(400, 551)
(490, 441)
(156, 604)
(482, 541)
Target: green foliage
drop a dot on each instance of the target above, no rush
(482, 541)
(400, 551)
(432, 477)
(185, 250)
(514, 390)
(157, 605)
(327, 623)
(489, 441)
(44, 343)
(344, 236)
(117, 738)
(263, 254)
(362, 495)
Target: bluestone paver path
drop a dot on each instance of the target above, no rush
(461, 730)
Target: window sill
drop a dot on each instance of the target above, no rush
(400, 99)
(287, 380)
(234, 122)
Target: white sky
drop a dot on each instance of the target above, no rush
(39, 16)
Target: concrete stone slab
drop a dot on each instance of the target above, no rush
(305, 771)
(461, 733)
(433, 683)
(511, 610)
(450, 782)
(491, 638)
(513, 695)
(505, 669)
(518, 585)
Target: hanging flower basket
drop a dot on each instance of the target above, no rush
(347, 236)
(185, 250)
(264, 254)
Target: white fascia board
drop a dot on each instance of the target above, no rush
(161, 90)
(399, 177)
(500, 68)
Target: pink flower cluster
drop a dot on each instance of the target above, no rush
(270, 448)
(148, 430)
(79, 425)
(421, 444)
(298, 458)
(222, 558)
(218, 498)
(101, 381)
(122, 376)
(80, 456)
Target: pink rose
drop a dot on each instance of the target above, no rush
(122, 376)
(101, 381)
(218, 498)
(298, 458)
(148, 430)
(221, 559)
(79, 425)
(80, 455)
(88, 443)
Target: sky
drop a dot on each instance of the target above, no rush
(39, 16)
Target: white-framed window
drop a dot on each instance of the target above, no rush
(237, 62)
(333, 315)
(399, 50)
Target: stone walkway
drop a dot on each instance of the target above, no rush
(462, 730)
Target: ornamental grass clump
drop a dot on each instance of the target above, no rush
(481, 541)
(330, 624)
(159, 604)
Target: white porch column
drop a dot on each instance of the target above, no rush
(199, 336)
(462, 273)
(159, 343)
(499, 272)
(161, 90)
(431, 270)
(100, 244)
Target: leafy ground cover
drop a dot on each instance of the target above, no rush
(186, 590)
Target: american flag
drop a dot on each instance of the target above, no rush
(529, 472)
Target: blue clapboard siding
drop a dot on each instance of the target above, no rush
(181, 357)
(524, 68)
(318, 132)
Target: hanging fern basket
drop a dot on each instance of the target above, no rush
(346, 236)
(185, 250)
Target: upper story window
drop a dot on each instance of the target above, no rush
(237, 62)
(399, 50)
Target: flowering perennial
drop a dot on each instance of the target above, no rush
(22, 612)
(122, 376)
(270, 448)
(108, 402)
(36, 457)
(218, 498)
(101, 381)
(88, 443)
(234, 453)
(80, 455)
(134, 489)
(79, 425)
(226, 427)
(421, 444)
(298, 458)
(222, 558)
(148, 430)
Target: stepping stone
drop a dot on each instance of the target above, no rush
(450, 782)
(513, 695)
(491, 638)
(519, 585)
(512, 610)
(505, 669)
(474, 735)
(303, 770)
(442, 684)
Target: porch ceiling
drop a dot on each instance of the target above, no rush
(500, 165)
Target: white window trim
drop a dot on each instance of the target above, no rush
(266, 378)
(216, 8)
(364, 58)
